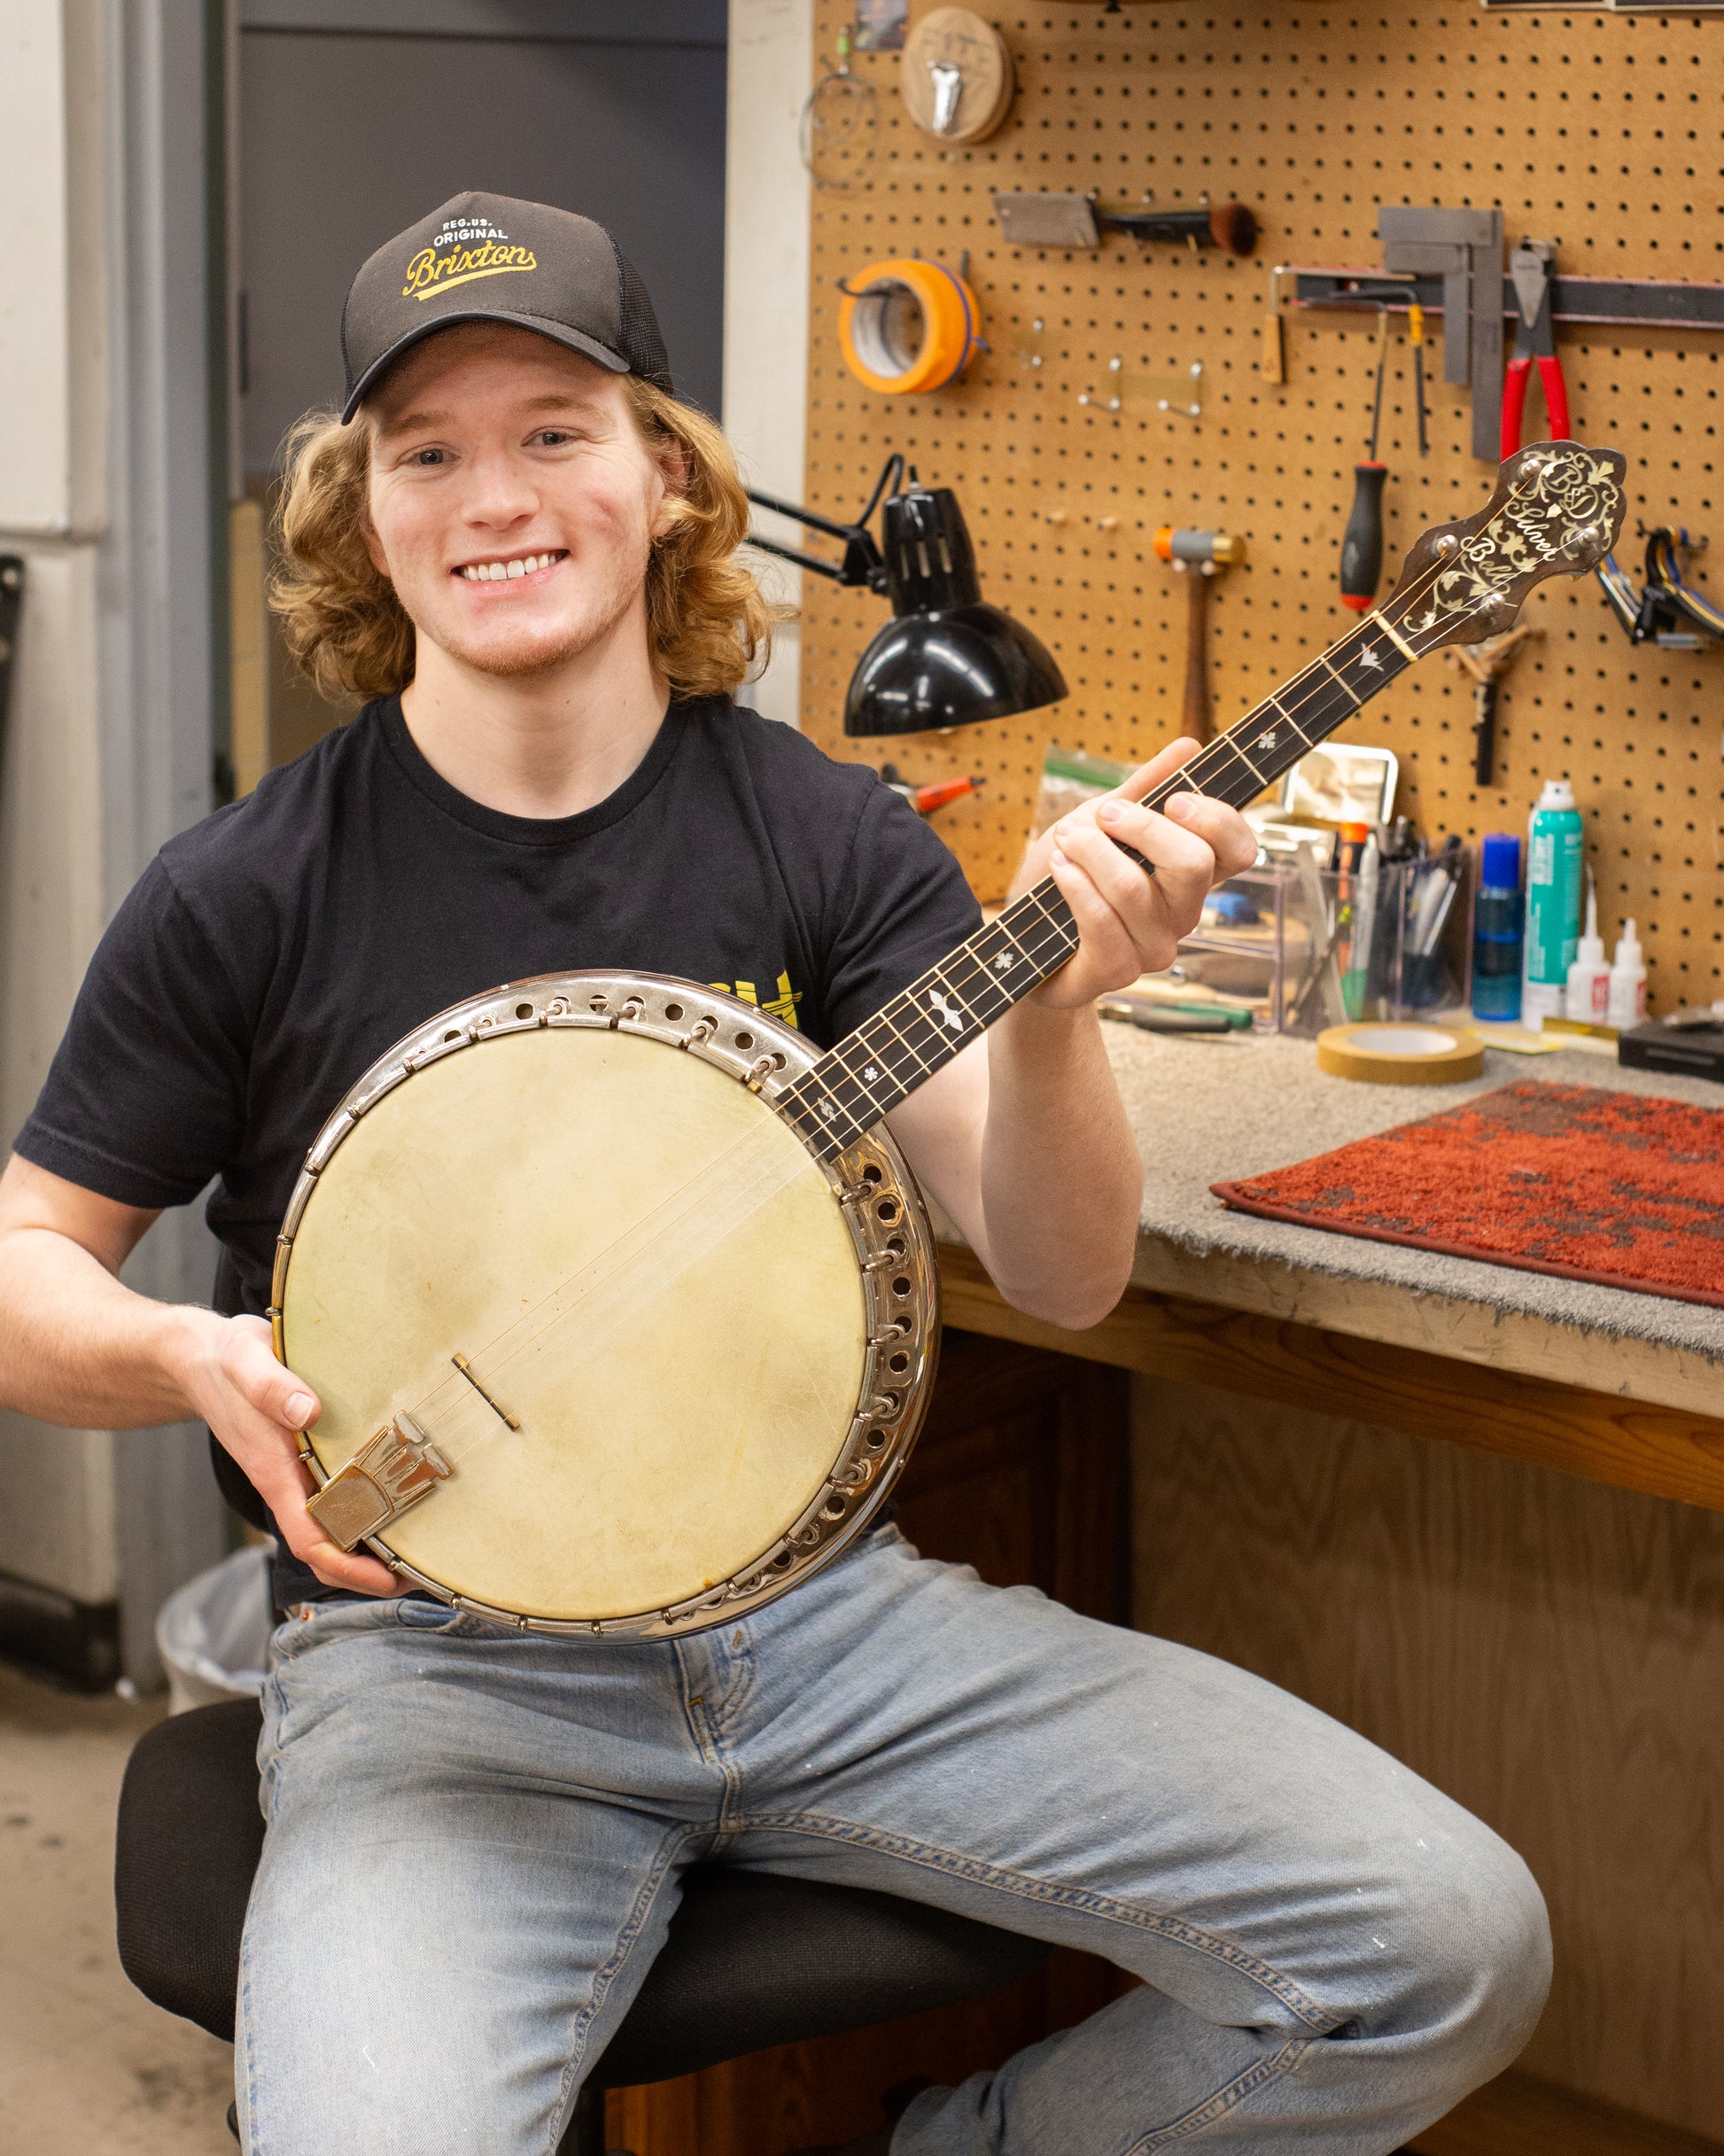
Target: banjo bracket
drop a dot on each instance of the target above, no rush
(397, 1467)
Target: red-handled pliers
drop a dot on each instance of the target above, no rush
(1532, 265)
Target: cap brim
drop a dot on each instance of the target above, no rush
(574, 340)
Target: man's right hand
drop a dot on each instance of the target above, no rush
(256, 1408)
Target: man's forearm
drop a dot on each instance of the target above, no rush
(1061, 1180)
(78, 1348)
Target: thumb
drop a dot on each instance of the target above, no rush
(271, 1388)
(1161, 765)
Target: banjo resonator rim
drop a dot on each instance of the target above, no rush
(870, 1183)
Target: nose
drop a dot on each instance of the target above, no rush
(500, 491)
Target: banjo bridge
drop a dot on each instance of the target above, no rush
(383, 1479)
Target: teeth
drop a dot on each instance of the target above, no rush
(497, 572)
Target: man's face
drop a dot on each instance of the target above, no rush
(513, 503)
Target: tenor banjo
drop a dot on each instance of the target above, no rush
(620, 1301)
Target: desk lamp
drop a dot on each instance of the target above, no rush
(946, 657)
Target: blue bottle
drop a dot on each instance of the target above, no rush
(1496, 919)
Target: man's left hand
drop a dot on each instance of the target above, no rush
(1129, 922)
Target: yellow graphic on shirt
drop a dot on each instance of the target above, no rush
(782, 1006)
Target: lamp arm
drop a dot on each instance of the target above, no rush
(810, 518)
(834, 570)
(862, 563)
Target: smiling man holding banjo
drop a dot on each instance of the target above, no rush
(598, 1314)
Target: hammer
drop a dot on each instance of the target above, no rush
(1202, 554)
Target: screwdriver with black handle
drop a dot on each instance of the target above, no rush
(1361, 542)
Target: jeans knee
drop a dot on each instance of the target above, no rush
(1483, 1955)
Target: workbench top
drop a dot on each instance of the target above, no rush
(1206, 1111)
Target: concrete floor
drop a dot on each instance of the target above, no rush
(88, 2067)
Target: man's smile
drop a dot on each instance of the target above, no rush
(511, 568)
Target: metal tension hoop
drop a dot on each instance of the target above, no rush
(386, 1476)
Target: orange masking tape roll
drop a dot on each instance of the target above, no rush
(907, 326)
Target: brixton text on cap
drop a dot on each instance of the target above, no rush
(489, 258)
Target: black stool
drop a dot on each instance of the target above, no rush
(751, 1961)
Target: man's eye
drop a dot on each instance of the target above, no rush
(426, 456)
(553, 438)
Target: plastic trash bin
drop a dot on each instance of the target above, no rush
(212, 1634)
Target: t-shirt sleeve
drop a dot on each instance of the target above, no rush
(144, 1099)
(906, 905)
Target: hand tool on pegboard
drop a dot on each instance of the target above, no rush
(1199, 555)
(1532, 267)
(1488, 661)
(936, 794)
(1415, 338)
(1464, 248)
(1670, 612)
(1361, 542)
(11, 604)
(1054, 219)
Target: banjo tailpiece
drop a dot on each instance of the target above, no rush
(399, 1465)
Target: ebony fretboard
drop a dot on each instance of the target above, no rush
(885, 1058)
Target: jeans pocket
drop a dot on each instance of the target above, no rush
(321, 1624)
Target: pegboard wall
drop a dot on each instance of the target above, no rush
(1599, 131)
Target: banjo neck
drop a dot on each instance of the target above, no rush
(871, 1070)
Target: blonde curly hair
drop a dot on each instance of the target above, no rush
(708, 625)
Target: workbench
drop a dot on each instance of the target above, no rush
(1617, 1387)
(1310, 1420)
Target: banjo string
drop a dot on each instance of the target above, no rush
(602, 1296)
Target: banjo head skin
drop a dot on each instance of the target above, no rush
(663, 1363)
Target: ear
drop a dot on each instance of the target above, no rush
(671, 457)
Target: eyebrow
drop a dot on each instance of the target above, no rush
(554, 401)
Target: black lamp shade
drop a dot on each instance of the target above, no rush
(950, 668)
(946, 657)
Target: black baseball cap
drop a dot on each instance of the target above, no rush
(489, 258)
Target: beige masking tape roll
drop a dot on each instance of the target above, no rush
(1397, 1054)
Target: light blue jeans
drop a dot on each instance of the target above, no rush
(475, 1839)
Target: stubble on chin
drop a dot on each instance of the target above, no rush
(507, 653)
(518, 656)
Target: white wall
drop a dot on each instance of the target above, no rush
(766, 250)
(57, 1526)
(106, 487)
(53, 356)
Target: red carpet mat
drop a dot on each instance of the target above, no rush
(1615, 1187)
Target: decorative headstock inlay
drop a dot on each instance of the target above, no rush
(1557, 509)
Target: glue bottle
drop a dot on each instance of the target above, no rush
(1588, 999)
(1554, 845)
(1628, 998)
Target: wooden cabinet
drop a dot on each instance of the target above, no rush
(1021, 1472)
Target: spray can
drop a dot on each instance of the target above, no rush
(1555, 847)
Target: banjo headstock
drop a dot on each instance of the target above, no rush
(1556, 512)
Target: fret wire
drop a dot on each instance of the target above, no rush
(854, 1045)
(1286, 718)
(1344, 686)
(964, 955)
(865, 1033)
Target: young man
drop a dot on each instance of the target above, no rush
(521, 548)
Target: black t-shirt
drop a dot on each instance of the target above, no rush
(272, 952)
